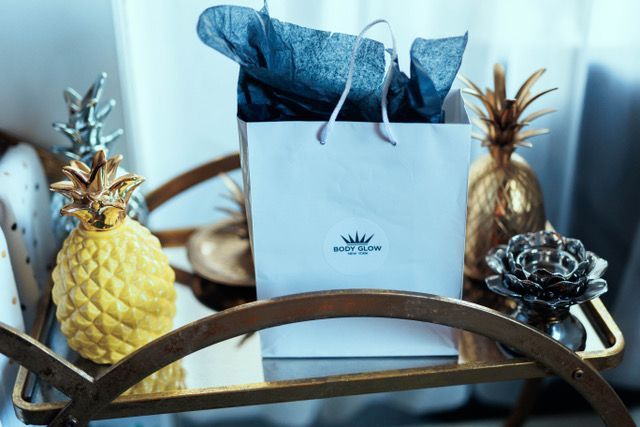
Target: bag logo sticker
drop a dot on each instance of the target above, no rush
(356, 246)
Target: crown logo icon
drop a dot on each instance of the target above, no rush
(357, 239)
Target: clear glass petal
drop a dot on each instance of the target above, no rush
(598, 266)
(496, 259)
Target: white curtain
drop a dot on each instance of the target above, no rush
(606, 195)
(180, 95)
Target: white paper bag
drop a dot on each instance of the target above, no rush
(358, 212)
(402, 210)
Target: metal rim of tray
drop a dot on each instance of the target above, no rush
(91, 397)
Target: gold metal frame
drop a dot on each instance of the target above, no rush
(97, 397)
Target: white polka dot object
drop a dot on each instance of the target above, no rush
(24, 219)
(10, 314)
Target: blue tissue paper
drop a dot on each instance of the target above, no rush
(289, 72)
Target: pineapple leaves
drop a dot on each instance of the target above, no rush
(469, 83)
(525, 144)
(106, 140)
(507, 114)
(124, 186)
(78, 210)
(499, 85)
(112, 167)
(491, 113)
(500, 121)
(98, 181)
(77, 177)
(85, 120)
(228, 210)
(237, 221)
(528, 101)
(93, 94)
(234, 189)
(478, 136)
(65, 188)
(528, 84)
(98, 163)
(531, 133)
(491, 98)
(81, 166)
(99, 199)
(481, 124)
(70, 132)
(531, 117)
(72, 99)
(104, 111)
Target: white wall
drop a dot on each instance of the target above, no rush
(180, 99)
(46, 46)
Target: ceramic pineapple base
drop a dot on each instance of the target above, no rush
(504, 199)
(169, 378)
(114, 291)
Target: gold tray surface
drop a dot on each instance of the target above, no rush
(480, 360)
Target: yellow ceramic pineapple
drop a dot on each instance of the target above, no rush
(113, 286)
(171, 377)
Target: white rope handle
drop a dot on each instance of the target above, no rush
(326, 129)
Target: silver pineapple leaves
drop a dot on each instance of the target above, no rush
(85, 124)
(84, 129)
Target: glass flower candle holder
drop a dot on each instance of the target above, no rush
(547, 274)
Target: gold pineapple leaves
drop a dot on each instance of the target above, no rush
(98, 198)
(237, 218)
(500, 120)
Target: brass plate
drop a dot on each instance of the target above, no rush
(220, 256)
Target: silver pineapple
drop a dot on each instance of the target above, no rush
(84, 130)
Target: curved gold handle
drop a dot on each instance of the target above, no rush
(43, 362)
(346, 303)
(190, 178)
(179, 236)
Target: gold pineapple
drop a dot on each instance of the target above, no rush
(504, 196)
(113, 286)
